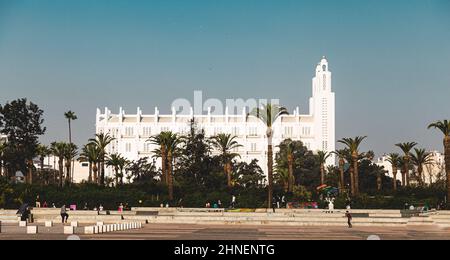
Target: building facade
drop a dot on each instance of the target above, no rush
(316, 129)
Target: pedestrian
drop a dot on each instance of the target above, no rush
(38, 202)
(64, 215)
(283, 202)
(274, 204)
(349, 218)
(45, 205)
(219, 203)
(121, 207)
(233, 202)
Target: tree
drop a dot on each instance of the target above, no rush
(102, 141)
(91, 154)
(322, 157)
(269, 114)
(42, 151)
(420, 159)
(406, 148)
(172, 143)
(70, 153)
(117, 162)
(225, 144)
(70, 116)
(59, 150)
(2, 151)
(444, 127)
(353, 146)
(161, 141)
(395, 161)
(342, 155)
(22, 122)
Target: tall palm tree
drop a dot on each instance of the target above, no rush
(102, 141)
(394, 160)
(118, 163)
(406, 148)
(42, 151)
(420, 159)
(269, 114)
(353, 146)
(59, 150)
(322, 157)
(70, 116)
(161, 141)
(290, 160)
(172, 143)
(226, 143)
(91, 154)
(342, 155)
(444, 127)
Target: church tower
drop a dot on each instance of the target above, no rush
(322, 108)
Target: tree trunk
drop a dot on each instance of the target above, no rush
(102, 171)
(68, 164)
(322, 174)
(394, 173)
(291, 172)
(420, 174)
(352, 180)
(356, 173)
(163, 165)
(447, 166)
(270, 172)
(403, 177)
(407, 170)
(379, 182)
(30, 171)
(61, 171)
(228, 173)
(170, 175)
(95, 171)
(341, 174)
(90, 173)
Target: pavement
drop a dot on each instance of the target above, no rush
(235, 232)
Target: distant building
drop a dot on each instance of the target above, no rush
(80, 169)
(316, 129)
(432, 172)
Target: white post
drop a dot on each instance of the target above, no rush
(22, 223)
(32, 230)
(89, 230)
(74, 224)
(48, 223)
(69, 230)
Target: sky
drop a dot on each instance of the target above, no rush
(390, 59)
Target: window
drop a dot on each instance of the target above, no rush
(128, 147)
(288, 131)
(129, 131)
(85, 165)
(147, 147)
(253, 131)
(235, 131)
(253, 147)
(147, 131)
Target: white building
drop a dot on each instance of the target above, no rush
(431, 173)
(316, 129)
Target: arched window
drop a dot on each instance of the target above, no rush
(324, 67)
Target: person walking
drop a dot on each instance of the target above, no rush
(349, 218)
(274, 204)
(38, 201)
(64, 215)
(233, 202)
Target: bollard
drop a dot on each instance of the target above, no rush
(22, 223)
(69, 230)
(48, 223)
(74, 224)
(89, 230)
(32, 230)
(100, 223)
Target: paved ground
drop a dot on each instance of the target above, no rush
(201, 232)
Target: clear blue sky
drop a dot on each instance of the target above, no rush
(390, 59)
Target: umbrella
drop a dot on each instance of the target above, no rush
(22, 209)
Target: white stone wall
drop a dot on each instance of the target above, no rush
(316, 130)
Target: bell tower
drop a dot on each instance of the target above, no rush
(322, 108)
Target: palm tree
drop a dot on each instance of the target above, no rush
(91, 154)
(59, 150)
(282, 177)
(353, 146)
(172, 143)
(118, 163)
(161, 141)
(420, 159)
(406, 148)
(70, 116)
(70, 153)
(394, 160)
(444, 127)
(42, 151)
(102, 141)
(322, 158)
(269, 114)
(226, 143)
(290, 161)
(342, 156)
(2, 151)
